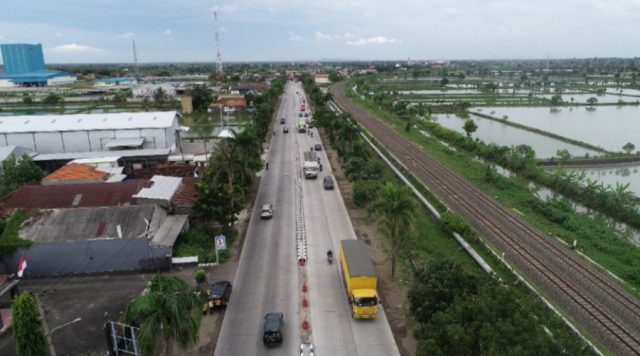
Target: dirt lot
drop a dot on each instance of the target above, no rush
(393, 293)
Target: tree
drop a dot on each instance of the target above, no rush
(120, 97)
(556, 99)
(16, 173)
(27, 329)
(53, 99)
(334, 77)
(628, 147)
(563, 154)
(469, 127)
(169, 308)
(28, 100)
(592, 100)
(201, 97)
(159, 96)
(395, 208)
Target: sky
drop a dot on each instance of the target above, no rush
(102, 31)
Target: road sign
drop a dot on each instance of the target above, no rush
(221, 242)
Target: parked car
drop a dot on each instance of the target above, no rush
(273, 329)
(327, 182)
(317, 147)
(282, 121)
(218, 296)
(285, 129)
(267, 211)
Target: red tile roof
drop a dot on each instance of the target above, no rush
(72, 195)
(75, 171)
(186, 194)
(231, 101)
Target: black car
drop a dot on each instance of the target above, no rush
(282, 121)
(327, 182)
(219, 295)
(273, 329)
(285, 129)
(317, 147)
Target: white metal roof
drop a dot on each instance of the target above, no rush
(123, 153)
(163, 188)
(125, 142)
(84, 122)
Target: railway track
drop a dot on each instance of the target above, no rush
(585, 293)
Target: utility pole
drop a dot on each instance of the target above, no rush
(135, 60)
(219, 73)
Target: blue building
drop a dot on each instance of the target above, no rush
(24, 65)
(22, 58)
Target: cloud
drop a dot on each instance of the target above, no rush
(348, 35)
(127, 35)
(377, 40)
(294, 37)
(59, 34)
(321, 36)
(168, 32)
(74, 48)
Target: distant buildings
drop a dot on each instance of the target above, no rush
(229, 103)
(24, 65)
(148, 90)
(115, 81)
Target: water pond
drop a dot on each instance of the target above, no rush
(491, 131)
(609, 127)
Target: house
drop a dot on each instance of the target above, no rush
(322, 78)
(229, 103)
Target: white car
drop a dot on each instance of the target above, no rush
(266, 212)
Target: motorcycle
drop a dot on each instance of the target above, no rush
(330, 257)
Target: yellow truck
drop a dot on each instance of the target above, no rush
(359, 279)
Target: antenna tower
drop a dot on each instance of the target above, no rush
(219, 73)
(135, 59)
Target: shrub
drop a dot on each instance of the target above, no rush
(365, 192)
(200, 276)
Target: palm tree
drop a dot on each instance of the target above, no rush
(395, 208)
(169, 308)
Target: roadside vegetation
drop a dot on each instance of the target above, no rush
(230, 173)
(27, 327)
(443, 322)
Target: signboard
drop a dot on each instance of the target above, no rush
(221, 242)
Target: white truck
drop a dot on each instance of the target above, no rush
(310, 166)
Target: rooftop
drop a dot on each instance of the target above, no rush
(92, 223)
(162, 188)
(187, 193)
(80, 122)
(75, 172)
(73, 195)
(123, 153)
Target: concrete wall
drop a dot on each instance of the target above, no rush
(89, 256)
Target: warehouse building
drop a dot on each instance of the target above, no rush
(99, 133)
(24, 65)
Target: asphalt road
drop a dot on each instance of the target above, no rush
(268, 278)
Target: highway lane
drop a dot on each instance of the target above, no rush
(334, 332)
(266, 279)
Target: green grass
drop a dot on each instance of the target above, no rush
(200, 242)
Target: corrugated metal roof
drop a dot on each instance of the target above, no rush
(162, 188)
(168, 232)
(123, 153)
(73, 195)
(186, 195)
(355, 252)
(125, 142)
(83, 122)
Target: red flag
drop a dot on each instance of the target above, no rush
(22, 265)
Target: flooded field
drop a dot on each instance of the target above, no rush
(621, 174)
(495, 132)
(609, 127)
